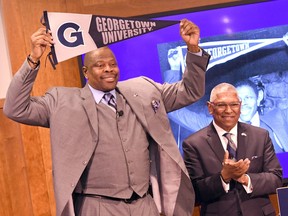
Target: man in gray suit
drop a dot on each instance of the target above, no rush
(112, 145)
(237, 182)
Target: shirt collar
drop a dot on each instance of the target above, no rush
(98, 95)
(221, 131)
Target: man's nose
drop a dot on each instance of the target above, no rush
(228, 108)
(107, 67)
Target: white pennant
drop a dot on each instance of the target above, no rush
(76, 34)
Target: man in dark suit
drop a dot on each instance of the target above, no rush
(107, 157)
(274, 121)
(231, 183)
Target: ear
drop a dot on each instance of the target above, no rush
(210, 108)
(260, 96)
(84, 71)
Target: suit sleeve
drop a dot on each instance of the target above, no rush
(207, 187)
(20, 106)
(192, 86)
(265, 171)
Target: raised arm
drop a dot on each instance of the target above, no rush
(19, 104)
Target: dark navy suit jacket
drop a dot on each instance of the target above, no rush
(203, 156)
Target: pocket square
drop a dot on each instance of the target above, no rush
(155, 105)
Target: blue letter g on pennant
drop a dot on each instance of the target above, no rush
(74, 39)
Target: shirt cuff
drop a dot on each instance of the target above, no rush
(248, 188)
(198, 53)
(226, 186)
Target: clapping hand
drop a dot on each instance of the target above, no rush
(234, 169)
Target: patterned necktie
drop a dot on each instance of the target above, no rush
(231, 147)
(110, 99)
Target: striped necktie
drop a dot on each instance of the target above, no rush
(110, 99)
(231, 147)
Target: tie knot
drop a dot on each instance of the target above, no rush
(108, 96)
(227, 135)
(110, 99)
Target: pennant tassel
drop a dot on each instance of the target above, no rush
(53, 59)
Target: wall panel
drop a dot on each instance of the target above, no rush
(15, 196)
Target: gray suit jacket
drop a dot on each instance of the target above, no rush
(203, 156)
(72, 117)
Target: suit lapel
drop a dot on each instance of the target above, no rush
(215, 142)
(90, 108)
(133, 98)
(242, 144)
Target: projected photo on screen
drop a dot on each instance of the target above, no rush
(248, 44)
(255, 62)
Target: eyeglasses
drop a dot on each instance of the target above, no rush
(224, 106)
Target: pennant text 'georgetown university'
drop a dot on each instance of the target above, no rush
(76, 34)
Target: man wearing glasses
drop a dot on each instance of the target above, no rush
(232, 165)
(252, 112)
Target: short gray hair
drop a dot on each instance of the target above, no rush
(222, 87)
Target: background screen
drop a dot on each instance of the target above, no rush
(246, 42)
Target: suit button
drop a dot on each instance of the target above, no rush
(84, 162)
